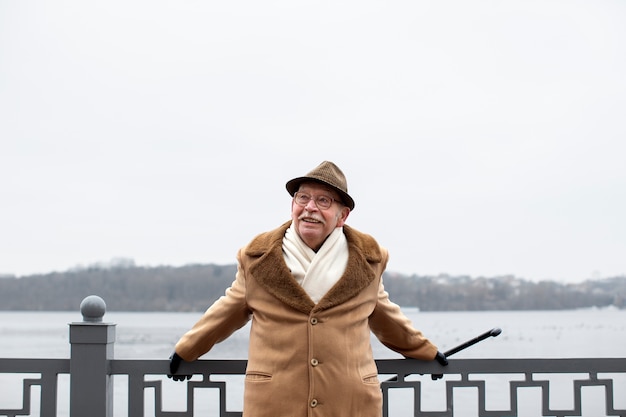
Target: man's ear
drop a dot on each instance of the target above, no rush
(343, 216)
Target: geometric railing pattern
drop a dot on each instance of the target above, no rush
(147, 374)
(476, 379)
(608, 374)
(48, 371)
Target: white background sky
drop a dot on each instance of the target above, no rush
(480, 138)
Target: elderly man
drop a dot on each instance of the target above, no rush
(313, 290)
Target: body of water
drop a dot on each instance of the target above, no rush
(528, 334)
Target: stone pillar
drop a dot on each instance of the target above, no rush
(92, 341)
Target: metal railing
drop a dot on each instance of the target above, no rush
(472, 387)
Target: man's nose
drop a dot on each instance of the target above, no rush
(311, 205)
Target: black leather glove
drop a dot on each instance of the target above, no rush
(441, 358)
(443, 361)
(175, 361)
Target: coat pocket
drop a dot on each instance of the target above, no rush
(369, 373)
(255, 376)
(371, 379)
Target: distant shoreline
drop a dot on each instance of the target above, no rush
(193, 288)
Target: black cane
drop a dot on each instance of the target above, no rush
(491, 333)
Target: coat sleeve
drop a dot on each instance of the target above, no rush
(395, 330)
(227, 314)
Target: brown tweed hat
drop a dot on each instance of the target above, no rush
(325, 173)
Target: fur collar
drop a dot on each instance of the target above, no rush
(268, 268)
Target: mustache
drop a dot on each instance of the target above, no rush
(307, 215)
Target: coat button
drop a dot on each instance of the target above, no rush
(314, 320)
(314, 362)
(313, 403)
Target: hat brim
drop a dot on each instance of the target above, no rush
(294, 184)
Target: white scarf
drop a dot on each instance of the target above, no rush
(317, 271)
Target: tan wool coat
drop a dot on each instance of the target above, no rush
(308, 359)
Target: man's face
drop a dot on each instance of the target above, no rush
(312, 223)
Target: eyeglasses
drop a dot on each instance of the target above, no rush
(321, 201)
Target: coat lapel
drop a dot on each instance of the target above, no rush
(269, 269)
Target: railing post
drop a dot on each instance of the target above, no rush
(92, 342)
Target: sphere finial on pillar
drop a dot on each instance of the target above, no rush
(93, 308)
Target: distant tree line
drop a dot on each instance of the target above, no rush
(446, 293)
(126, 287)
(163, 288)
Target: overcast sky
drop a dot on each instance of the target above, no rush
(481, 138)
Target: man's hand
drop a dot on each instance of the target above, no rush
(443, 361)
(175, 361)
